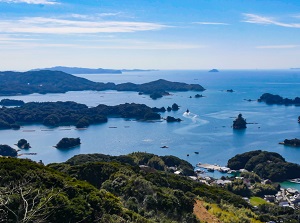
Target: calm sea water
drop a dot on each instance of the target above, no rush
(206, 130)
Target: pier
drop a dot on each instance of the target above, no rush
(213, 167)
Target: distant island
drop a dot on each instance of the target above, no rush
(272, 99)
(81, 70)
(214, 71)
(45, 81)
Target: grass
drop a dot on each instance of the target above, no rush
(227, 213)
(255, 201)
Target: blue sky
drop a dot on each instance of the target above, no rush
(156, 34)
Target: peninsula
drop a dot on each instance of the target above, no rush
(267, 165)
(291, 142)
(45, 81)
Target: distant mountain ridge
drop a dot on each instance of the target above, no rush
(82, 70)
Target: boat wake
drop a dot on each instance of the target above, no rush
(191, 116)
(196, 122)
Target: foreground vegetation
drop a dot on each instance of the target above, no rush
(102, 191)
(138, 187)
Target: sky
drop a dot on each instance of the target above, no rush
(150, 34)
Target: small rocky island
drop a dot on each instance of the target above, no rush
(291, 142)
(272, 99)
(239, 122)
(199, 96)
(172, 119)
(67, 143)
(23, 144)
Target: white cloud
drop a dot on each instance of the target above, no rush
(43, 25)
(34, 2)
(212, 23)
(278, 47)
(109, 14)
(256, 19)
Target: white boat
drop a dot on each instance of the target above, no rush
(297, 180)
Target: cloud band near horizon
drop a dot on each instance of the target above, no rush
(33, 2)
(41, 25)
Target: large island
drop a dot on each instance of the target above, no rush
(45, 81)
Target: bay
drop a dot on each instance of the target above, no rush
(206, 130)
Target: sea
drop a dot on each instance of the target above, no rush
(205, 135)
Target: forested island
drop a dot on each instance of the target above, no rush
(67, 143)
(45, 81)
(23, 144)
(267, 165)
(72, 113)
(272, 99)
(291, 142)
(6, 150)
